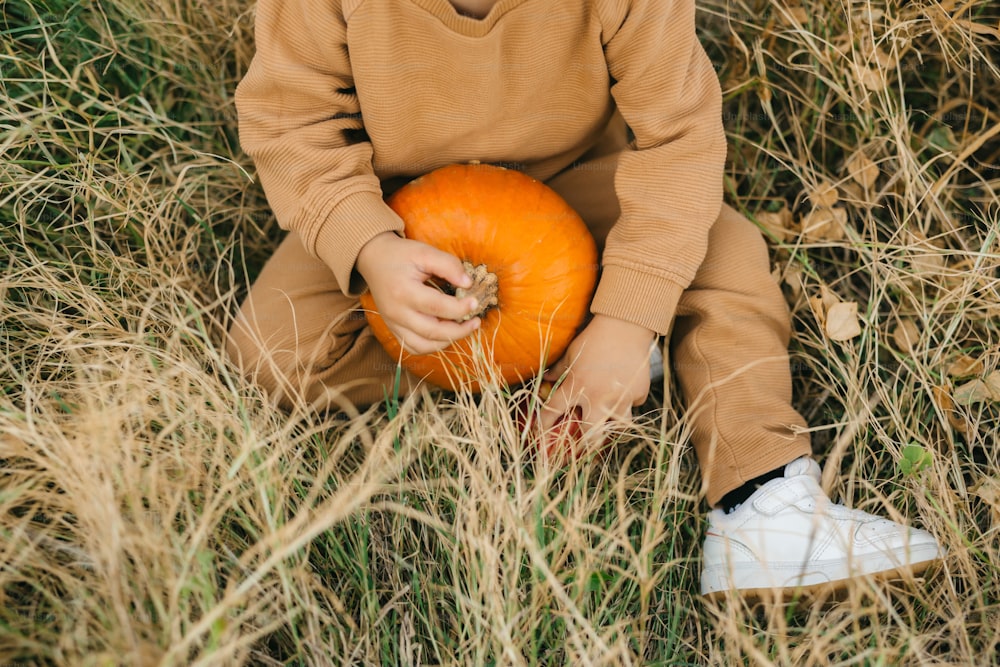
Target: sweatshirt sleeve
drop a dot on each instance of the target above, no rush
(669, 180)
(300, 122)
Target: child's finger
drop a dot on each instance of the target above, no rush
(557, 370)
(446, 266)
(561, 402)
(434, 303)
(421, 334)
(607, 407)
(554, 372)
(552, 409)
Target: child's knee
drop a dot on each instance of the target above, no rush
(297, 357)
(245, 350)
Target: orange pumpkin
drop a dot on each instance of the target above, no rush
(532, 258)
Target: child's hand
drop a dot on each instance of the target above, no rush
(424, 319)
(606, 372)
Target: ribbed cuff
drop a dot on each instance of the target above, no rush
(354, 221)
(647, 300)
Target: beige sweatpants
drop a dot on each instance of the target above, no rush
(298, 336)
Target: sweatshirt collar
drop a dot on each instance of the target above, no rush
(466, 25)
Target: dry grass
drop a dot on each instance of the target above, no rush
(156, 510)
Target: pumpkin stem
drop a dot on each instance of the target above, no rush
(484, 288)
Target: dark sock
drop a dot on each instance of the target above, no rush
(737, 496)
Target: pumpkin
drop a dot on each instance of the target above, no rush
(533, 263)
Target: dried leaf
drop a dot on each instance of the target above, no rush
(854, 193)
(883, 59)
(824, 194)
(829, 297)
(796, 16)
(930, 262)
(981, 29)
(828, 302)
(875, 56)
(842, 321)
(793, 278)
(842, 44)
(871, 78)
(942, 397)
(988, 489)
(964, 366)
(825, 224)
(871, 14)
(914, 237)
(972, 392)
(992, 382)
(927, 256)
(905, 335)
(818, 310)
(778, 224)
(863, 170)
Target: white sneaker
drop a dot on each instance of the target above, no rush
(789, 535)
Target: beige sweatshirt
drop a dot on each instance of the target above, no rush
(345, 94)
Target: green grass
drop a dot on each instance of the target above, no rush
(156, 509)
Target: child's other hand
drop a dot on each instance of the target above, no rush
(606, 372)
(423, 318)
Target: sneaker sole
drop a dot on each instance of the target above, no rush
(825, 589)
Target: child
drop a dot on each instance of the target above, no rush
(347, 99)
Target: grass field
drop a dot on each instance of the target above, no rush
(155, 509)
